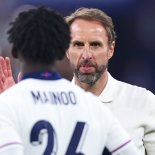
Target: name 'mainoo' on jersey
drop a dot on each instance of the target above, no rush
(54, 98)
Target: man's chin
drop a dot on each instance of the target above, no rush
(86, 75)
(85, 78)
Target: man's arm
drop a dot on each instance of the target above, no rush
(11, 142)
(149, 133)
(118, 140)
(130, 150)
(6, 78)
(13, 151)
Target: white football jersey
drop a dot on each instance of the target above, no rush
(55, 117)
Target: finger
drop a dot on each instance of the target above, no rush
(1, 86)
(8, 66)
(3, 66)
(2, 77)
(1, 82)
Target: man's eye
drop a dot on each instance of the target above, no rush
(78, 44)
(95, 44)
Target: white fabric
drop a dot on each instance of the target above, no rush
(129, 151)
(135, 108)
(62, 108)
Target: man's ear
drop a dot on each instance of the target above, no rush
(67, 54)
(14, 52)
(111, 50)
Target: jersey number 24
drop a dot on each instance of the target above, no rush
(51, 144)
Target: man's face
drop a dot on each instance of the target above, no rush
(89, 51)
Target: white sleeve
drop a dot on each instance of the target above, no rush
(10, 140)
(119, 142)
(149, 133)
(12, 151)
(130, 149)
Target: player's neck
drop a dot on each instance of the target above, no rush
(97, 88)
(36, 68)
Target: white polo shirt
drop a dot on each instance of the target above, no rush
(135, 108)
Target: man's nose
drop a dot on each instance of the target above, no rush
(87, 54)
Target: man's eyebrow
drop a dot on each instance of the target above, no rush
(96, 42)
(77, 42)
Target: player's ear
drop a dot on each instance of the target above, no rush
(14, 52)
(111, 49)
(67, 54)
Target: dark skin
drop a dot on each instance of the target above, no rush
(6, 77)
(33, 66)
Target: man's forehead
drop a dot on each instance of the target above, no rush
(85, 25)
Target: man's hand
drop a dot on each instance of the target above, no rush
(6, 78)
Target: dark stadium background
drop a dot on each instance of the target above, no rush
(134, 21)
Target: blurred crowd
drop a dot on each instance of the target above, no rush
(134, 21)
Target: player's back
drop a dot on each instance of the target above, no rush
(56, 117)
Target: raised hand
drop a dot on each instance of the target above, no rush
(6, 78)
